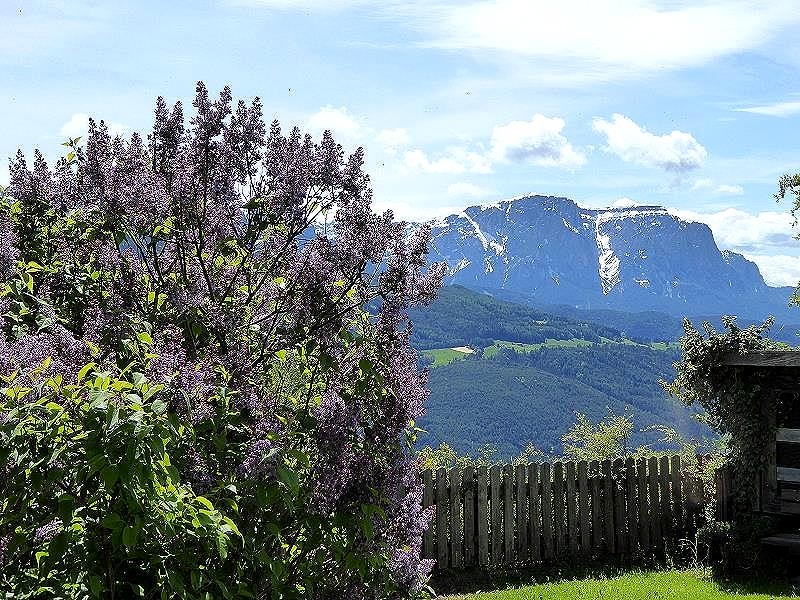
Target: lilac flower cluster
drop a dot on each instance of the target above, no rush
(48, 531)
(208, 236)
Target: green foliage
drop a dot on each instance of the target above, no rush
(608, 439)
(98, 509)
(514, 398)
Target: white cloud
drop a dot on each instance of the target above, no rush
(778, 109)
(338, 120)
(676, 151)
(738, 230)
(722, 188)
(538, 141)
(777, 269)
(733, 190)
(78, 126)
(462, 188)
(609, 39)
(703, 184)
(417, 160)
(455, 160)
(393, 140)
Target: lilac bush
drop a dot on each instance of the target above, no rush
(214, 277)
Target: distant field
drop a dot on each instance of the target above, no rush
(665, 585)
(522, 348)
(444, 356)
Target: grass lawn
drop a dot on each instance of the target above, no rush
(522, 348)
(659, 585)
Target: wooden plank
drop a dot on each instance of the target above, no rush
(559, 518)
(656, 540)
(546, 488)
(631, 503)
(534, 513)
(496, 557)
(620, 532)
(769, 358)
(597, 505)
(508, 514)
(608, 508)
(788, 474)
(470, 514)
(521, 512)
(442, 510)
(783, 540)
(584, 524)
(677, 496)
(788, 435)
(572, 509)
(428, 499)
(644, 513)
(483, 516)
(664, 494)
(456, 516)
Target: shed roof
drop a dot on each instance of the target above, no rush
(767, 358)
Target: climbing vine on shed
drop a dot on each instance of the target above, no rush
(732, 398)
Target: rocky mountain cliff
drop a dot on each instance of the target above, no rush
(549, 250)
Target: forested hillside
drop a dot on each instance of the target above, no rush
(515, 398)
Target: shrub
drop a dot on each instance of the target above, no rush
(196, 403)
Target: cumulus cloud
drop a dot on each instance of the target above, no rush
(454, 160)
(738, 230)
(462, 188)
(723, 188)
(339, 120)
(393, 140)
(778, 109)
(777, 269)
(538, 141)
(676, 151)
(78, 126)
(608, 39)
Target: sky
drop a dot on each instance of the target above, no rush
(690, 105)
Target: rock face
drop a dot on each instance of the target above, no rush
(549, 250)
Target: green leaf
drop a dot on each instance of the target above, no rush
(205, 502)
(112, 521)
(159, 407)
(144, 337)
(110, 475)
(96, 585)
(129, 536)
(289, 478)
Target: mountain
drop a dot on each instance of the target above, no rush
(548, 250)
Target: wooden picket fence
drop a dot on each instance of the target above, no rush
(513, 515)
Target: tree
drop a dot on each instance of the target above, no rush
(196, 403)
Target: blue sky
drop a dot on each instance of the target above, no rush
(690, 105)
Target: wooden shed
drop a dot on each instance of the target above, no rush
(779, 476)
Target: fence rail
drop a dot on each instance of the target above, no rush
(509, 515)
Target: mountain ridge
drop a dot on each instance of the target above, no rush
(552, 251)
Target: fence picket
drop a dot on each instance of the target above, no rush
(572, 506)
(521, 512)
(644, 512)
(428, 499)
(442, 508)
(547, 511)
(656, 541)
(608, 508)
(470, 512)
(632, 505)
(620, 533)
(456, 508)
(534, 519)
(677, 498)
(559, 517)
(497, 517)
(508, 514)
(583, 507)
(597, 525)
(664, 493)
(483, 516)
